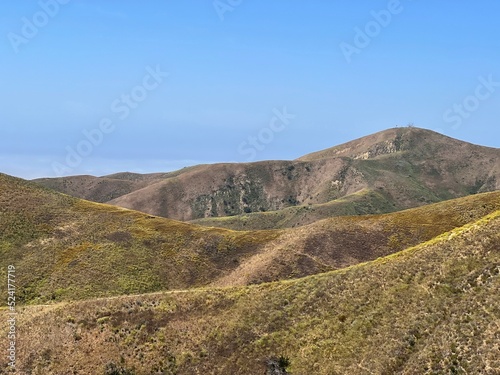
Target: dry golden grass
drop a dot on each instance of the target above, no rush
(69, 249)
(430, 309)
(343, 241)
(66, 248)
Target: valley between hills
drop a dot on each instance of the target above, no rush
(378, 256)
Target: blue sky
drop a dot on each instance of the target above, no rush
(160, 85)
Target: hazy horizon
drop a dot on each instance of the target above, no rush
(98, 88)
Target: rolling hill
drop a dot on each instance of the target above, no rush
(379, 256)
(430, 309)
(101, 189)
(388, 171)
(77, 249)
(68, 248)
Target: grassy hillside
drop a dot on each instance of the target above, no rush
(431, 309)
(344, 241)
(75, 249)
(67, 248)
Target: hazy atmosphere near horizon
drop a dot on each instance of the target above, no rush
(94, 87)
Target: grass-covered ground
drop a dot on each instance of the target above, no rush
(67, 249)
(411, 292)
(430, 309)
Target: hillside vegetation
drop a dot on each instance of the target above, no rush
(379, 256)
(344, 241)
(75, 249)
(430, 309)
(67, 248)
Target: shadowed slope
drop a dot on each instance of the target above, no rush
(67, 248)
(363, 202)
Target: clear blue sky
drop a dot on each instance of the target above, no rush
(65, 69)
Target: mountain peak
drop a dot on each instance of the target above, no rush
(390, 170)
(385, 142)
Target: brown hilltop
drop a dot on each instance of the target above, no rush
(394, 140)
(102, 189)
(387, 171)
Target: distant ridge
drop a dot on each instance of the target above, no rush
(388, 142)
(387, 171)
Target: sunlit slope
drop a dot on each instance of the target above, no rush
(431, 309)
(344, 241)
(67, 248)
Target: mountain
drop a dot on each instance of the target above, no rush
(388, 171)
(78, 249)
(430, 309)
(101, 189)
